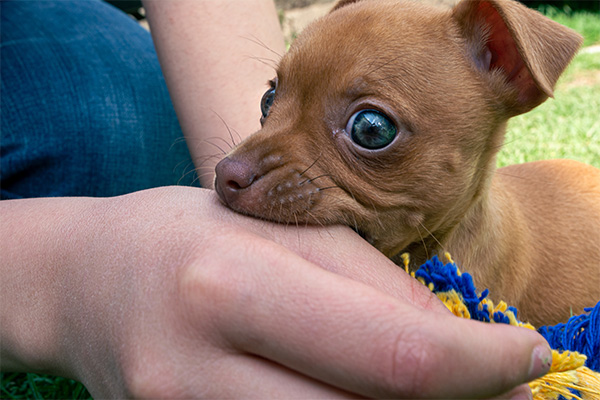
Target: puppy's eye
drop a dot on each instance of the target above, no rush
(267, 101)
(371, 129)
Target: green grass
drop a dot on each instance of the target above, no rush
(34, 386)
(586, 23)
(565, 127)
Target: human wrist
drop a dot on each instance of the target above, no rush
(39, 240)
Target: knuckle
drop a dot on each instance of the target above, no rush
(207, 283)
(217, 292)
(144, 379)
(411, 362)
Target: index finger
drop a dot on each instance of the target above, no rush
(340, 250)
(355, 337)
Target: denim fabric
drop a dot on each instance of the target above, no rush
(84, 106)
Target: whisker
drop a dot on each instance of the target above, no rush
(381, 225)
(186, 173)
(353, 215)
(204, 167)
(390, 77)
(280, 213)
(503, 173)
(265, 61)
(515, 176)
(311, 165)
(311, 180)
(217, 146)
(330, 187)
(182, 162)
(196, 179)
(238, 136)
(205, 174)
(297, 230)
(222, 140)
(177, 141)
(423, 242)
(259, 42)
(228, 129)
(200, 161)
(432, 236)
(384, 65)
(317, 221)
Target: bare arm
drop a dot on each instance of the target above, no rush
(145, 296)
(217, 57)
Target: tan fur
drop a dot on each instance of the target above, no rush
(530, 233)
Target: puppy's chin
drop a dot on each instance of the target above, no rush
(389, 231)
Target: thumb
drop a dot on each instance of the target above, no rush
(471, 358)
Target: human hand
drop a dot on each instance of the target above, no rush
(165, 293)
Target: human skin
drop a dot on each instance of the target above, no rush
(166, 293)
(217, 58)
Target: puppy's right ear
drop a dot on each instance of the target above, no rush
(342, 3)
(528, 49)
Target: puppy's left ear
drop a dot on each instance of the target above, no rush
(530, 50)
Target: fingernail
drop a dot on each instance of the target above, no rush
(541, 360)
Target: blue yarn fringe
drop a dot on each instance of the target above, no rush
(581, 333)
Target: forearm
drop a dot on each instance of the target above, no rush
(39, 238)
(217, 57)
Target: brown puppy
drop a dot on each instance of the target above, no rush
(386, 116)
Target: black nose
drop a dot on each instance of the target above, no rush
(232, 176)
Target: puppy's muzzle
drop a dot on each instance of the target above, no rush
(268, 189)
(233, 177)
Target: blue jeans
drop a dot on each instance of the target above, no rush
(84, 106)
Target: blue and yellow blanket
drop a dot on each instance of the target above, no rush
(575, 371)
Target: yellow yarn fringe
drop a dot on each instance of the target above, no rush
(568, 369)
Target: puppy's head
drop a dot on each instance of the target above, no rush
(386, 116)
